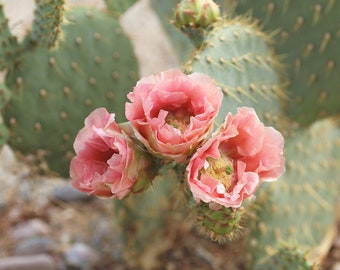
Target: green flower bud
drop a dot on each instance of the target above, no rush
(196, 13)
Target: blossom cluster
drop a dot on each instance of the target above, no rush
(171, 117)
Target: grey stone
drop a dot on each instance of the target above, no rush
(336, 266)
(35, 245)
(30, 228)
(41, 262)
(67, 193)
(81, 256)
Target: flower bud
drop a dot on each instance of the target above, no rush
(196, 13)
(219, 223)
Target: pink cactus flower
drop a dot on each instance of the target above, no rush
(230, 166)
(173, 113)
(106, 163)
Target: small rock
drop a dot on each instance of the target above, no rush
(336, 266)
(336, 243)
(41, 262)
(335, 253)
(35, 245)
(81, 256)
(7, 157)
(67, 193)
(29, 229)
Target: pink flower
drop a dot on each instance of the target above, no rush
(172, 113)
(106, 163)
(230, 166)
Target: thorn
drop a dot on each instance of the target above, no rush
(330, 66)
(63, 115)
(297, 65)
(326, 38)
(97, 36)
(269, 11)
(309, 49)
(115, 75)
(284, 36)
(299, 22)
(317, 13)
(79, 41)
(330, 6)
(38, 127)
(52, 61)
(67, 90)
(92, 81)
(97, 59)
(285, 7)
(311, 79)
(43, 93)
(66, 137)
(88, 102)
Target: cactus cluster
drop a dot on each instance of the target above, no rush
(278, 57)
(299, 208)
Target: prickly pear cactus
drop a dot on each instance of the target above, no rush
(308, 37)
(299, 208)
(9, 48)
(54, 90)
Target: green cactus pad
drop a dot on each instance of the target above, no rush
(236, 55)
(299, 207)
(220, 225)
(8, 43)
(53, 91)
(309, 39)
(46, 24)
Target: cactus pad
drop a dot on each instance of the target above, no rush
(299, 208)
(308, 38)
(53, 91)
(235, 54)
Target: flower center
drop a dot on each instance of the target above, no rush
(221, 169)
(178, 120)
